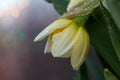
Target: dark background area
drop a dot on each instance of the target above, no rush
(20, 57)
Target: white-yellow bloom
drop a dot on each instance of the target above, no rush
(66, 39)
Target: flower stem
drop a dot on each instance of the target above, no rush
(82, 73)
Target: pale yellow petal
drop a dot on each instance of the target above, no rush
(60, 23)
(80, 48)
(63, 41)
(48, 45)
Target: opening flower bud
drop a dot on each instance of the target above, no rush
(66, 40)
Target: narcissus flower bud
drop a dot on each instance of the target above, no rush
(66, 40)
(109, 75)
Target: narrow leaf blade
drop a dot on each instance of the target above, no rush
(100, 38)
(114, 6)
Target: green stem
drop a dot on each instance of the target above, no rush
(80, 21)
(82, 73)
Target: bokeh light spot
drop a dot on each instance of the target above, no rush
(15, 13)
(14, 7)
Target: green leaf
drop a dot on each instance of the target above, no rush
(113, 31)
(94, 69)
(109, 76)
(60, 5)
(115, 37)
(100, 39)
(114, 6)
